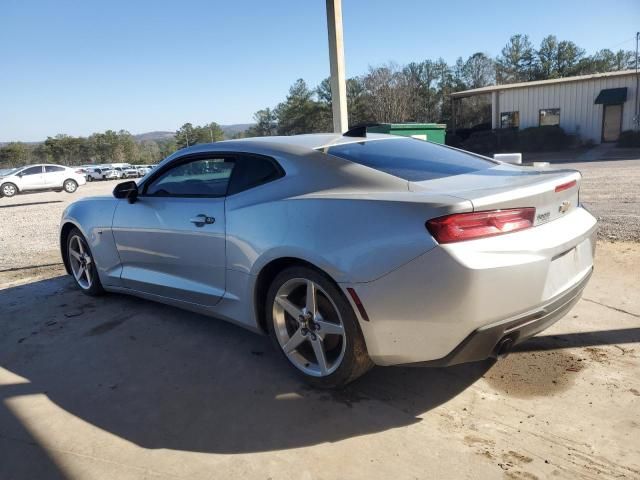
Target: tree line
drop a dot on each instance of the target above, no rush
(99, 148)
(420, 91)
(415, 92)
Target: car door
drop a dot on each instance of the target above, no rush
(31, 178)
(171, 241)
(53, 176)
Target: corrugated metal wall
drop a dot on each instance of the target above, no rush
(578, 113)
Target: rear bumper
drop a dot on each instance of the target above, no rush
(488, 341)
(456, 302)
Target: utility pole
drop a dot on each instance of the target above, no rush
(637, 112)
(336, 60)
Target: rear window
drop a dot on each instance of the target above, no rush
(411, 159)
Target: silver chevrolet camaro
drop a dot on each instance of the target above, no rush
(348, 250)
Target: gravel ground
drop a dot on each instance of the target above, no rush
(611, 191)
(29, 223)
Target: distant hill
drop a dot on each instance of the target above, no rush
(158, 135)
(231, 130)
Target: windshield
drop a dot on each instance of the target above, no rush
(410, 159)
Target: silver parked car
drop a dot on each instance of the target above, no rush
(348, 250)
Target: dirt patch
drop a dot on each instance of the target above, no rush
(104, 327)
(533, 374)
(17, 276)
(598, 355)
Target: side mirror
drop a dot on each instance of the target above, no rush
(128, 190)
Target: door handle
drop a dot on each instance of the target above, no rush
(202, 220)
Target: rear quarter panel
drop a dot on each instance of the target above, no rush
(352, 237)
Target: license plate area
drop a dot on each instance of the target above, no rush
(567, 268)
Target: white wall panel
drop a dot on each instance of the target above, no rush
(578, 112)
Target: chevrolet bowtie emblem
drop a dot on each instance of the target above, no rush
(564, 206)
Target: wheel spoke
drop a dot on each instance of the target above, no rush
(318, 350)
(311, 304)
(75, 254)
(289, 307)
(87, 274)
(80, 247)
(328, 328)
(293, 343)
(78, 274)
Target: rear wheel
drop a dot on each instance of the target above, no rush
(315, 328)
(70, 186)
(82, 264)
(9, 189)
(89, 178)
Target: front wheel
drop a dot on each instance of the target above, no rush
(314, 327)
(82, 264)
(70, 186)
(9, 189)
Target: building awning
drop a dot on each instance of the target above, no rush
(612, 96)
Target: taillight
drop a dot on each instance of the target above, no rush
(470, 226)
(566, 186)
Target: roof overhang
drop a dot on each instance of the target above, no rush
(537, 83)
(612, 96)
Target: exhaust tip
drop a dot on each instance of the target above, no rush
(504, 347)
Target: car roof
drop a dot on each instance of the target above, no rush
(316, 140)
(311, 141)
(42, 165)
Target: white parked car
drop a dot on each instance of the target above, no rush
(143, 170)
(113, 173)
(130, 172)
(95, 173)
(41, 177)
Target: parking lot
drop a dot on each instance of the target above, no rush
(117, 387)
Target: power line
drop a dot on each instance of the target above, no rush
(618, 44)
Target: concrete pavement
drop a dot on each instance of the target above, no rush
(116, 387)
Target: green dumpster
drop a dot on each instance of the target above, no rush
(433, 132)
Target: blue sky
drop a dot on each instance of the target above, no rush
(77, 67)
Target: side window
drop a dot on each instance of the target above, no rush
(549, 116)
(510, 119)
(202, 177)
(53, 168)
(32, 171)
(251, 171)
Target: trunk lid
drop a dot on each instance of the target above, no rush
(507, 186)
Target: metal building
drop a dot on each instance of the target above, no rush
(595, 107)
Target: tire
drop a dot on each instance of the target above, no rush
(88, 282)
(9, 189)
(334, 329)
(89, 178)
(70, 186)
